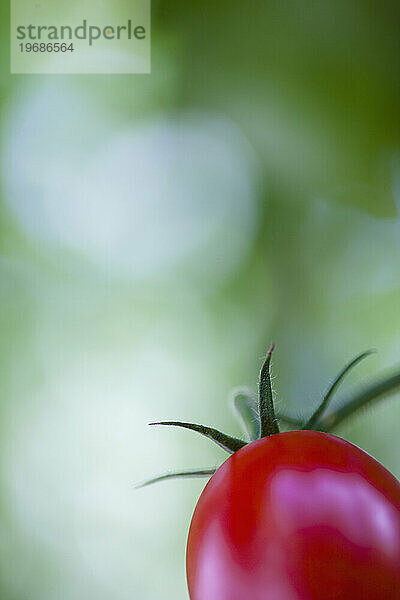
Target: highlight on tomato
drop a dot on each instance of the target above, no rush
(294, 515)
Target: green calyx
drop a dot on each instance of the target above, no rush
(226, 442)
(259, 419)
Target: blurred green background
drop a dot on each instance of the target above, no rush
(157, 232)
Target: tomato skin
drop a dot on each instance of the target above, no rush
(300, 515)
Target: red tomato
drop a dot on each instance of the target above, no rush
(300, 515)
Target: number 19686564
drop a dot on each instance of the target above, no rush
(49, 47)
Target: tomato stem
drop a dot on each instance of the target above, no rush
(264, 421)
(226, 442)
(178, 475)
(365, 397)
(268, 420)
(244, 405)
(314, 420)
